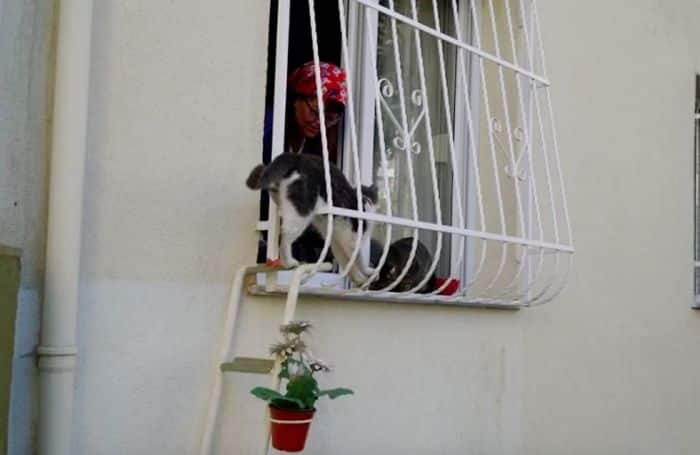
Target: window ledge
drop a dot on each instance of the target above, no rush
(385, 297)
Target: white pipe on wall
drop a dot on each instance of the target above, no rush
(57, 352)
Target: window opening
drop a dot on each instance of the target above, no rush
(308, 247)
(449, 114)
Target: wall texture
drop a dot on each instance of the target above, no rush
(175, 123)
(611, 366)
(26, 32)
(176, 102)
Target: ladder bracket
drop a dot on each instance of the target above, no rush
(253, 365)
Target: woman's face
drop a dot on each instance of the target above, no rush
(307, 117)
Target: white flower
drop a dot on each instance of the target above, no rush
(294, 369)
(287, 348)
(319, 365)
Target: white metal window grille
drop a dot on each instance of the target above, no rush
(449, 113)
(696, 264)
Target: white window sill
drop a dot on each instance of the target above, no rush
(331, 286)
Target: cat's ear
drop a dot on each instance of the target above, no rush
(370, 192)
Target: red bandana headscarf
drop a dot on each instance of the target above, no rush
(303, 82)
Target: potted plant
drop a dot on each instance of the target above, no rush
(291, 412)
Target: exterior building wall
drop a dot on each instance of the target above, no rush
(26, 75)
(175, 125)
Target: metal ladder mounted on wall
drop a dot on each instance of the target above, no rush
(228, 362)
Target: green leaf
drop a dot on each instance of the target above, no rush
(287, 403)
(266, 394)
(335, 393)
(277, 399)
(304, 388)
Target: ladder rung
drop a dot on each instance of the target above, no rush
(249, 365)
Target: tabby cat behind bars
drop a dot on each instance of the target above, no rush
(396, 259)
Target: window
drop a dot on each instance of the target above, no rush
(441, 105)
(449, 116)
(696, 267)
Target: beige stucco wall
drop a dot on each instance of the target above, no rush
(176, 119)
(175, 125)
(612, 366)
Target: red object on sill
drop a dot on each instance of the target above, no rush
(273, 263)
(289, 428)
(451, 287)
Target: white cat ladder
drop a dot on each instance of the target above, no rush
(228, 362)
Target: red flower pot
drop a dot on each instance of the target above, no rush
(288, 428)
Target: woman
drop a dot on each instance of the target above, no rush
(302, 122)
(303, 134)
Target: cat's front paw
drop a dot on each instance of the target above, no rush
(274, 263)
(290, 263)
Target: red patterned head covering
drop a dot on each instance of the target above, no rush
(302, 81)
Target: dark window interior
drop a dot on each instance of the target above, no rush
(300, 52)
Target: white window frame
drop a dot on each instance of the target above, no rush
(360, 42)
(561, 245)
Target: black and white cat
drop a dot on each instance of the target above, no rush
(296, 182)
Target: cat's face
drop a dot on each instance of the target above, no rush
(393, 267)
(389, 272)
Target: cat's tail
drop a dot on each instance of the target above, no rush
(265, 177)
(253, 181)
